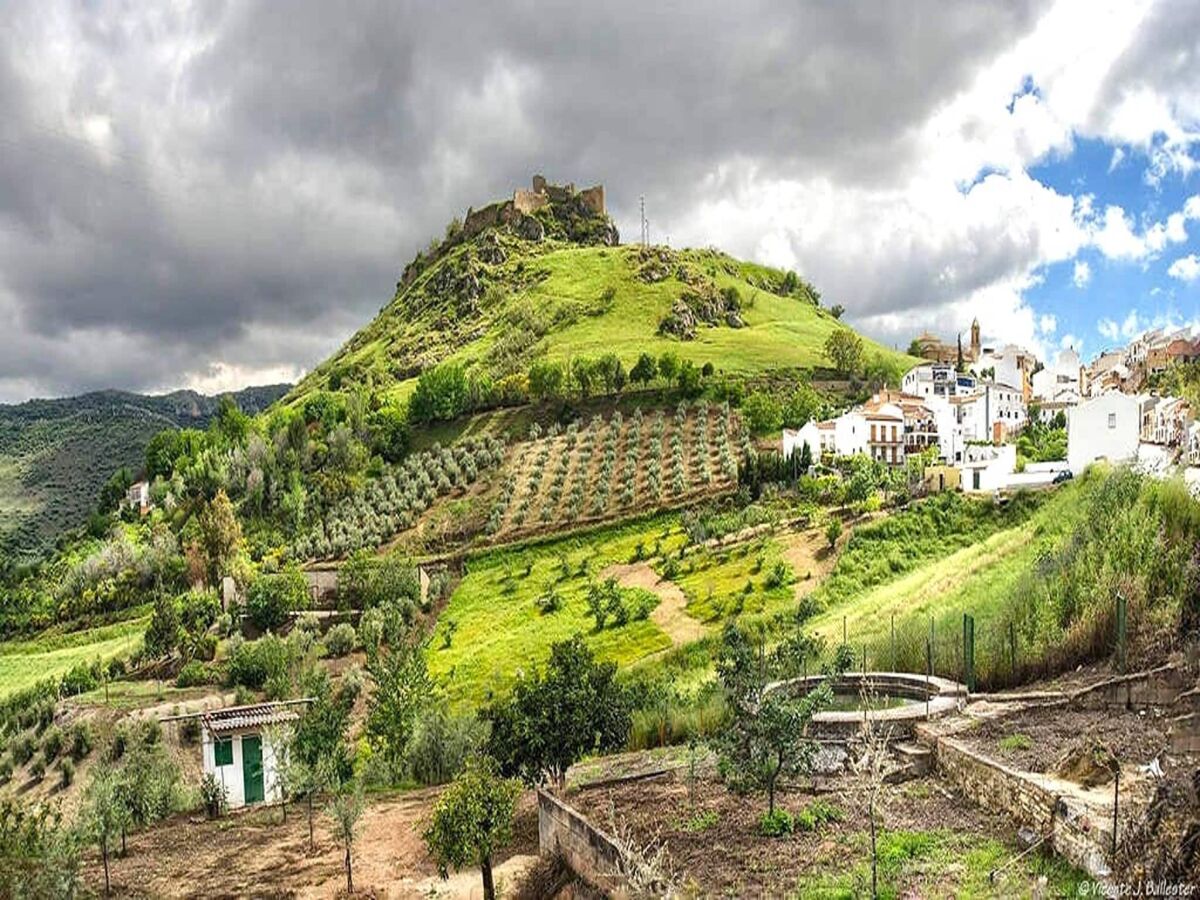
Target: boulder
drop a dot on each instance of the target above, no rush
(529, 228)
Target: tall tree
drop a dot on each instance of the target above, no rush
(220, 537)
(346, 808)
(401, 686)
(473, 819)
(845, 350)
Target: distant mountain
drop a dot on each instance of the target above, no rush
(55, 455)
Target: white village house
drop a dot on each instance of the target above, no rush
(1104, 427)
(239, 752)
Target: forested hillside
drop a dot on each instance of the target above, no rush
(55, 455)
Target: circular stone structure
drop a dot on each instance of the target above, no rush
(907, 699)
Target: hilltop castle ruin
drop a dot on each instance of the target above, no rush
(525, 202)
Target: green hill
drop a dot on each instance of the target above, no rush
(496, 299)
(56, 454)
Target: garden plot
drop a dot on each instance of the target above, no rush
(932, 844)
(614, 467)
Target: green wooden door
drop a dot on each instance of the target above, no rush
(252, 768)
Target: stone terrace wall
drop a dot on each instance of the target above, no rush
(1079, 830)
(591, 854)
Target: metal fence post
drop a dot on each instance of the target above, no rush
(893, 642)
(929, 647)
(1012, 650)
(969, 651)
(1122, 612)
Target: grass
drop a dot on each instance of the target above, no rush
(499, 629)
(24, 663)
(590, 302)
(716, 581)
(1013, 742)
(938, 863)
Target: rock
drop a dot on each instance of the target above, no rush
(490, 249)
(680, 321)
(530, 229)
(734, 320)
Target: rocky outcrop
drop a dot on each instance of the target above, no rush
(702, 304)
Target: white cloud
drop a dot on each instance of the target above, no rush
(1047, 324)
(1083, 273)
(1108, 329)
(1186, 268)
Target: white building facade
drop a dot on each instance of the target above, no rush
(1104, 427)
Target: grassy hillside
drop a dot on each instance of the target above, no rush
(56, 454)
(497, 301)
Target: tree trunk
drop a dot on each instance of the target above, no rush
(123, 850)
(874, 853)
(311, 846)
(489, 888)
(104, 856)
(349, 874)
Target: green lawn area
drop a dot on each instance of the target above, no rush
(499, 629)
(24, 663)
(716, 581)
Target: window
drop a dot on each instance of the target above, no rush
(223, 751)
(1112, 420)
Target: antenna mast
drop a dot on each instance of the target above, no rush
(645, 224)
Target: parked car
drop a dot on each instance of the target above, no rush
(1064, 475)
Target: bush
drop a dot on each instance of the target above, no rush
(6, 770)
(340, 639)
(370, 628)
(193, 674)
(52, 742)
(272, 598)
(39, 768)
(441, 743)
(81, 740)
(23, 749)
(213, 796)
(816, 814)
(66, 772)
(189, 730)
(252, 663)
(776, 824)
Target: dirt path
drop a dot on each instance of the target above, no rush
(670, 615)
(254, 854)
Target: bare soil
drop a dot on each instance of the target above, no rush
(730, 859)
(1134, 738)
(254, 854)
(671, 613)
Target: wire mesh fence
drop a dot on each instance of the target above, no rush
(986, 653)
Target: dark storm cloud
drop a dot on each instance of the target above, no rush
(242, 183)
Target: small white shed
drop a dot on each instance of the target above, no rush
(237, 750)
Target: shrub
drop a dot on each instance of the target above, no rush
(370, 628)
(194, 674)
(81, 740)
(52, 743)
(23, 749)
(816, 814)
(66, 772)
(6, 770)
(39, 768)
(272, 598)
(440, 744)
(189, 730)
(252, 663)
(213, 796)
(340, 639)
(776, 824)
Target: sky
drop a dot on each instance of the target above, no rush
(217, 194)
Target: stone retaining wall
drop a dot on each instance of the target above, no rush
(1078, 828)
(591, 854)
